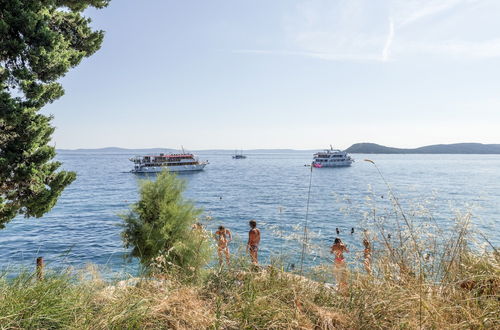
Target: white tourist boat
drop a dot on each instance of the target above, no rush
(183, 162)
(332, 158)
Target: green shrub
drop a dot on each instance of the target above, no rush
(160, 228)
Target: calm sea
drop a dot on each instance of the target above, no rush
(269, 187)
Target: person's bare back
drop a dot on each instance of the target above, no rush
(253, 241)
(254, 236)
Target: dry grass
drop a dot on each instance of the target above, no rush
(248, 298)
(182, 309)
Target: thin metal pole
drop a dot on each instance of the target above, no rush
(281, 232)
(305, 224)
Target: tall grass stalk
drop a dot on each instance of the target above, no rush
(305, 237)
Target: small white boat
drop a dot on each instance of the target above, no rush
(183, 162)
(332, 158)
(239, 155)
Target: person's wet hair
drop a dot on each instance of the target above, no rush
(338, 240)
(221, 228)
(253, 223)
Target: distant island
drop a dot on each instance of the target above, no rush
(456, 148)
(357, 148)
(109, 150)
(119, 150)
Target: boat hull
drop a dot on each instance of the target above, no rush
(333, 164)
(176, 168)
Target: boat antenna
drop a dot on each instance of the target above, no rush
(182, 147)
(304, 244)
(331, 148)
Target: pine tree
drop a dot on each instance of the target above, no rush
(40, 40)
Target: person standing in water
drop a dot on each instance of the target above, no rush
(223, 237)
(339, 271)
(253, 241)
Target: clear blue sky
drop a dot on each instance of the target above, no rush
(286, 74)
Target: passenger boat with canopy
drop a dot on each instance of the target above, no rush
(182, 162)
(331, 158)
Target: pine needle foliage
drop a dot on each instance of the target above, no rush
(159, 228)
(40, 41)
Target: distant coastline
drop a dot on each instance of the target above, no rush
(357, 148)
(456, 148)
(168, 150)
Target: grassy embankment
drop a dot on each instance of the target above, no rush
(242, 297)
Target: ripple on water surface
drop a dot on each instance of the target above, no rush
(84, 225)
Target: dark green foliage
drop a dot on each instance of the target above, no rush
(159, 228)
(40, 40)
